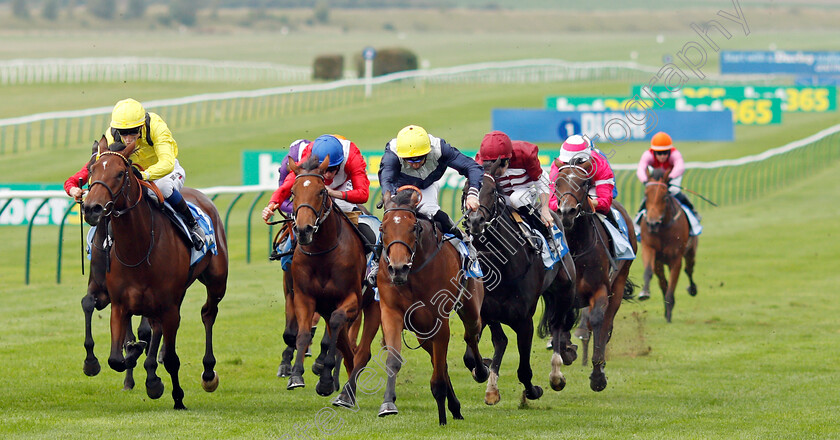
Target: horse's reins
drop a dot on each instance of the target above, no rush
(672, 202)
(109, 206)
(582, 212)
(418, 229)
(320, 216)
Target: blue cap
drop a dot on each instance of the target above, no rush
(327, 145)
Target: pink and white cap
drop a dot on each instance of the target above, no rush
(575, 146)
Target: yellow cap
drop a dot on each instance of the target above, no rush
(128, 113)
(413, 141)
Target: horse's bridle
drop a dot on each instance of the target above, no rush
(326, 206)
(126, 183)
(672, 201)
(109, 206)
(418, 228)
(586, 185)
(492, 215)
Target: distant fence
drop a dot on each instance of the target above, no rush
(89, 70)
(72, 128)
(726, 182)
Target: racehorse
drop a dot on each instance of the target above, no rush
(150, 269)
(97, 298)
(598, 287)
(327, 270)
(514, 280)
(666, 240)
(420, 282)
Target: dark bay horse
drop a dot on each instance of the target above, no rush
(327, 270)
(598, 287)
(420, 283)
(666, 240)
(514, 280)
(97, 298)
(150, 271)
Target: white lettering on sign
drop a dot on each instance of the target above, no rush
(618, 124)
(267, 169)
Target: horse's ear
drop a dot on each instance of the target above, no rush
(494, 169)
(324, 164)
(557, 162)
(387, 200)
(101, 146)
(293, 166)
(415, 198)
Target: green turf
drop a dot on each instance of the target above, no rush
(750, 357)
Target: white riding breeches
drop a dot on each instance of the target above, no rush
(172, 181)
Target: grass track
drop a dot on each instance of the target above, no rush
(750, 357)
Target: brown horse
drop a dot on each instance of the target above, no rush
(514, 280)
(150, 271)
(598, 287)
(666, 240)
(327, 270)
(420, 282)
(97, 298)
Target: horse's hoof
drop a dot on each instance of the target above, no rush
(456, 415)
(343, 400)
(557, 382)
(212, 384)
(317, 368)
(180, 406)
(325, 388)
(91, 368)
(308, 352)
(492, 398)
(285, 370)
(569, 355)
(643, 295)
(154, 389)
(534, 394)
(118, 366)
(128, 384)
(480, 374)
(387, 409)
(295, 382)
(692, 290)
(597, 383)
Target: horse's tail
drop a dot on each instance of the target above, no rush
(550, 318)
(554, 316)
(629, 288)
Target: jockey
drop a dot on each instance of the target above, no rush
(155, 155)
(662, 154)
(522, 182)
(417, 158)
(295, 152)
(601, 194)
(345, 178)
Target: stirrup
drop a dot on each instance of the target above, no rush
(197, 237)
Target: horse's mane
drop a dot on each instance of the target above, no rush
(310, 164)
(657, 174)
(116, 146)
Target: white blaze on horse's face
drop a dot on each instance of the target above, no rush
(397, 219)
(307, 183)
(104, 164)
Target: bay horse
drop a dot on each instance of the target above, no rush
(598, 288)
(514, 280)
(97, 298)
(666, 240)
(150, 270)
(327, 270)
(420, 282)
